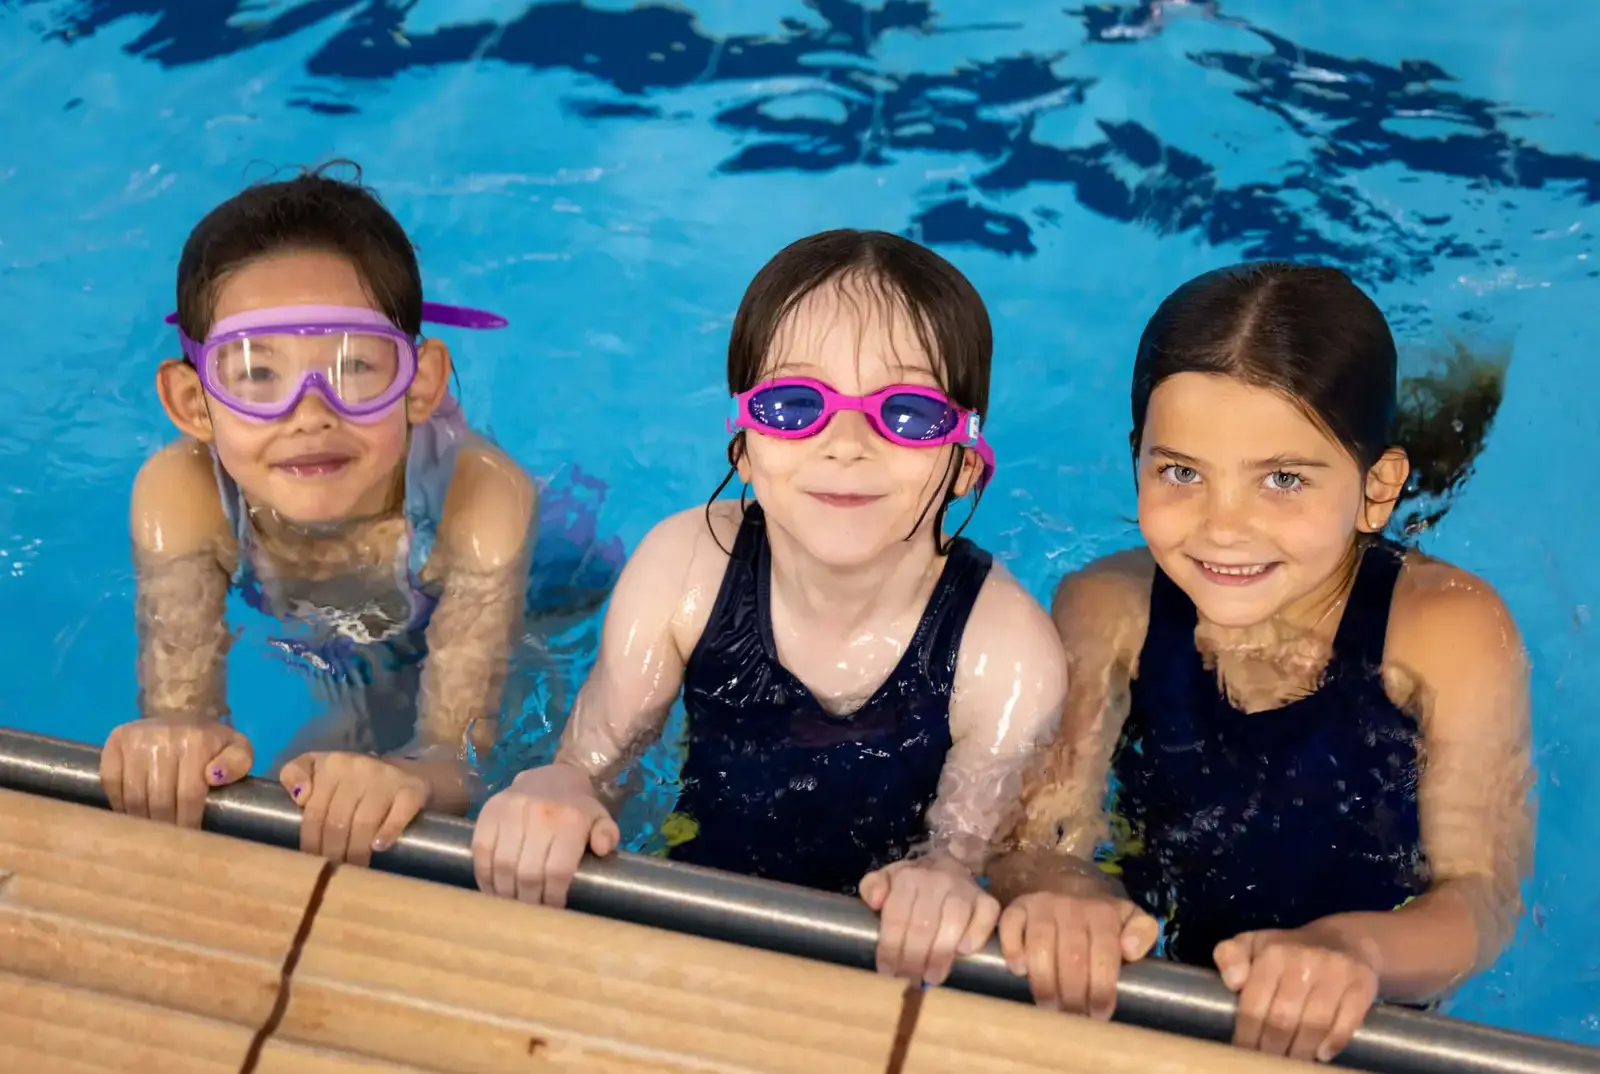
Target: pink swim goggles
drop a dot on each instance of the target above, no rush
(260, 364)
(910, 415)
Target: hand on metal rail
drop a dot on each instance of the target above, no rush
(1072, 947)
(162, 769)
(531, 837)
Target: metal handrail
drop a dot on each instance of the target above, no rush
(812, 924)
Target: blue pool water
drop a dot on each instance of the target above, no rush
(610, 176)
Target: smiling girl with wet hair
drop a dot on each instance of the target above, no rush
(1318, 738)
(863, 693)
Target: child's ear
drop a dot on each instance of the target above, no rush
(184, 399)
(1385, 482)
(971, 471)
(432, 383)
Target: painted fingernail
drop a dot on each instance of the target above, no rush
(297, 792)
(218, 773)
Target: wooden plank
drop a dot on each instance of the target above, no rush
(185, 920)
(450, 980)
(958, 1032)
(280, 1058)
(52, 1028)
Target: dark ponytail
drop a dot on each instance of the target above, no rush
(1442, 422)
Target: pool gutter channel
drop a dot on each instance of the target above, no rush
(812, 924)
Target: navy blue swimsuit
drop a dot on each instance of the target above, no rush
(777, 787)
(1226, 822)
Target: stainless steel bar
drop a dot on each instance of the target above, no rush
(811, 924)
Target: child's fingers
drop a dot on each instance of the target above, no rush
(347, 795)
(894, 920)
(315, 798)
(1255, 1000)
(1013, 927)
(1316, 1017)
(370, 812)
(111, 766)
(1104, 959)
(484, 834)
(1041, 953)
(567, 845)
(1232, 958)
(1351, 1012)
(955, 920)
(232, 763)
(985, 913)
(1140, 932)
(295, 777)
(938, 951)
(510, 833)
(874, 888)
(923, 924)
(161, 786)
(533, 864)
(190, 792)
(604, 836)
(1073, 938)
(1287, 1009)
(136, 786)
(407, 804)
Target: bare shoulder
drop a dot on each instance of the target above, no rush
(1105, 605)
(1449, 628)
(1007, 615)
(488, 513)
(679, 565)
(175, 509)
(1011, 672)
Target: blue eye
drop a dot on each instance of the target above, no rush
(1285, 481)
(1178, 474)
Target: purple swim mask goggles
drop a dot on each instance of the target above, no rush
(260, 364)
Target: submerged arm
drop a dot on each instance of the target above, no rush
(1011, 679)
(1100, 614)
(180, 606)
(485, 544)
(662, 601)
(1457, 644)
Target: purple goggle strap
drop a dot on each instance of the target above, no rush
(438, 313)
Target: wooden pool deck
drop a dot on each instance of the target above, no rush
(129, 946)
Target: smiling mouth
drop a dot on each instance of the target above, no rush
(1233, 574)
(845, 499)
(313, 465)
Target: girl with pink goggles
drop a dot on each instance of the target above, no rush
(261, 363)
(909, 415)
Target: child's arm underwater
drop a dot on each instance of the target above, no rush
(486, 539)
(1067, 926)
(531, 836)
(355, 803)
(1455, 654)
(161, 765)
(1011, 679)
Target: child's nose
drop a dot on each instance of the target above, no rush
(312, 414)
(847, 435)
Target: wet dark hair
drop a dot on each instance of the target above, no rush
(945, 311)
(312, 211)
(1311, 334)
